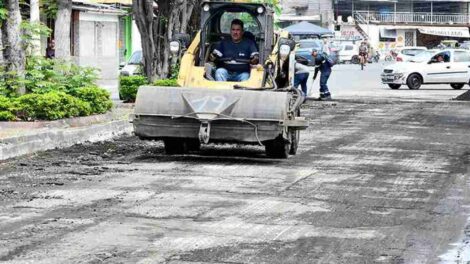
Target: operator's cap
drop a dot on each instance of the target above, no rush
(314, 50)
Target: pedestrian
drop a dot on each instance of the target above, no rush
(322, 64)
(50, 50)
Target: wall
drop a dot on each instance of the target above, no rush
(97, 43)
(136, 40)
(373, 32)
(401, 38)
(322, 8)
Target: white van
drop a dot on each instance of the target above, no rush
(347, 52)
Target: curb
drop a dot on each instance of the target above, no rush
(98, 128)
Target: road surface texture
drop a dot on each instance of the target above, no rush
(372, 183)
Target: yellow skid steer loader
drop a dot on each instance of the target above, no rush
(264, 109)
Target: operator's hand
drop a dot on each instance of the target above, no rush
(215, 54)
(212, 57)
(254, 60)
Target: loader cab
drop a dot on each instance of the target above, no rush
(216, 19)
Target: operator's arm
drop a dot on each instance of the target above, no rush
(299, 67)
(254, 54)
(217, 53)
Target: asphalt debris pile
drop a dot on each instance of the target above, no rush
(463, 97)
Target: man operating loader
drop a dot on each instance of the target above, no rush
(234, 56)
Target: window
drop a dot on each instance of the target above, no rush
(136, 57)
(411, 52)
(461, 56)
(250, 23)
(348, 47)
(441, 57)
(310, 44)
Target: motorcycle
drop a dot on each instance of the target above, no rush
(376, 57)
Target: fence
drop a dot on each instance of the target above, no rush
(411, 18)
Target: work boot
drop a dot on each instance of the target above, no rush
(325, 98)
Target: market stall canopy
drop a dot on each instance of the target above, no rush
(303, 28)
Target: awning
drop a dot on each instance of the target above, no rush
(455, 32)
(286, 17)
(307, 28)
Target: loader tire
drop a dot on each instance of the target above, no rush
(278, 148)
(193, 145)
(294, 137)
(175, 146)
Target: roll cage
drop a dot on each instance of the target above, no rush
(211, 31)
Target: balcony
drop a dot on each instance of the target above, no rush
(296, 4)
(418, 18)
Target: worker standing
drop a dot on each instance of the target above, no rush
(323, 64)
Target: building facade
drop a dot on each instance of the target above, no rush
(398, 23)
(319, 12)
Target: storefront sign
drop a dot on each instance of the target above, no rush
(445, 31)
(350, 33)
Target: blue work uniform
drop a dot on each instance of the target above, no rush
(324, 67)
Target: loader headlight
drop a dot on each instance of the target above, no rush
(206, 7)
(174, 47)
(284, 51)
(260, 10)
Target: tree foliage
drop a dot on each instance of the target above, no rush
(157, 22)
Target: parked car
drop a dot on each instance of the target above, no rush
(448, 44)
(465, 45)
(305, 46)
(133, 65)
(347, 52)
(450, 66)
(407, 53)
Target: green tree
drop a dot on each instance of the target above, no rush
(13, 53)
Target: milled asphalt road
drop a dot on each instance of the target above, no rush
(372, 183)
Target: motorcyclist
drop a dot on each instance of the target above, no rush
(363, 51)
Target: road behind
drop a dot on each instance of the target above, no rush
(372, 183)
(349, 82)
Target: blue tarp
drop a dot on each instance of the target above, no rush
(304, 28)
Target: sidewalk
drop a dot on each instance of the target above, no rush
(21, 138)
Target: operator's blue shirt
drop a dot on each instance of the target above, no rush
(245, 49)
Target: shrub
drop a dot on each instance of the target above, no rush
(51, 106)
(57, 89)
(128, 86)
(166, 82)
(8, 107)
(98, 98)
(7, 116)
(46, 75)
(9, 83)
